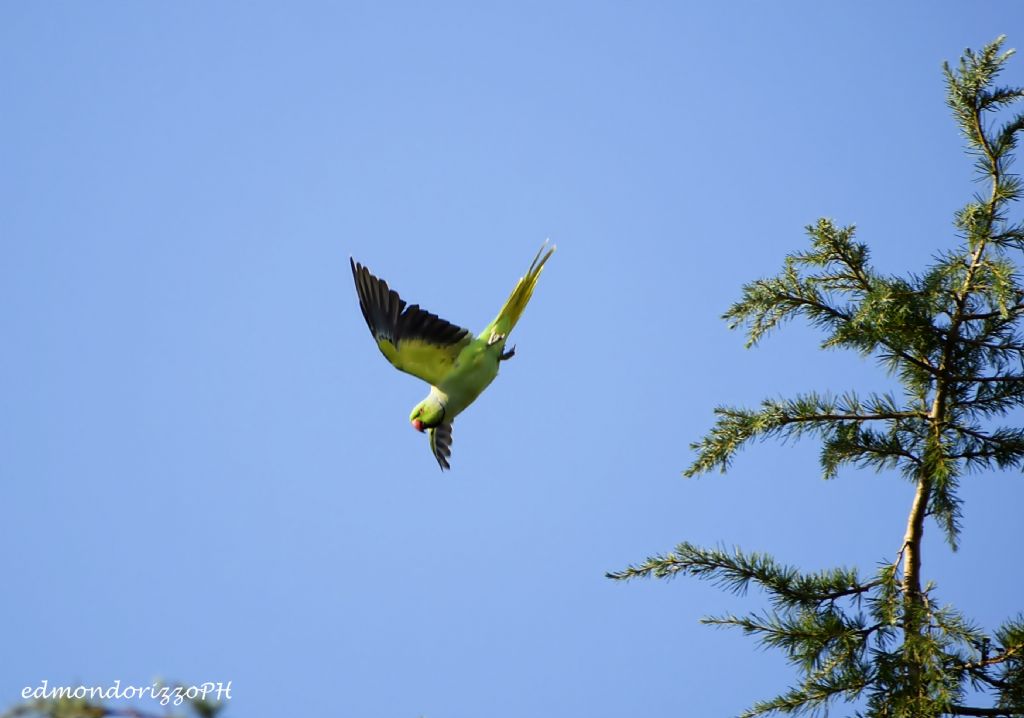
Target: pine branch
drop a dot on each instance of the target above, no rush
(1014, 651)
(958, 710)
(813, 695)
(736, 571)
(833, 418)
(1017, 379)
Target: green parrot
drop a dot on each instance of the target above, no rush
(457, 366)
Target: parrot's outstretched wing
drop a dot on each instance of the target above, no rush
(441, 443)
(412, 339)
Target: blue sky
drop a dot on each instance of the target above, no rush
(208, 472)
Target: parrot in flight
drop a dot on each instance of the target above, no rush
(456, 365)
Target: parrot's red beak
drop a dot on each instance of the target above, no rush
(417, 425)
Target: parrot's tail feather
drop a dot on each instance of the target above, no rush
(517, 301)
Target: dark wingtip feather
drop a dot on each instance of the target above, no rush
(389, 318)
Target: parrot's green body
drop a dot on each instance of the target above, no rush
(457, 366)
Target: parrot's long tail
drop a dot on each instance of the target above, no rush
(516, 302)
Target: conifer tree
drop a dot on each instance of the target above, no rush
(952, 336)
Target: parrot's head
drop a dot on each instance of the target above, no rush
(427, 414)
